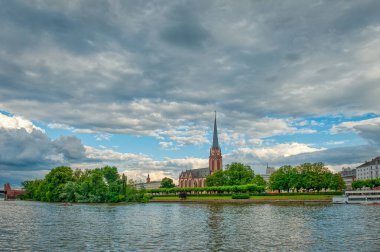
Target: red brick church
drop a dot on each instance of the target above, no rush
(197, 177)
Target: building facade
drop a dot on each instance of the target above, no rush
(348, 175)
(268, 172)
(148, 184)
(369, 170)
(197, 177)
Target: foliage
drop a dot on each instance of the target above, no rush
(235, 174)
(216, 179)
(240, 196)
(62, 184)
(261, 197)
(308, 176)
(357, 184)
(167, 183)
(250, 188)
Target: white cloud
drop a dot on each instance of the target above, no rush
(165, 145)
(60, 126)
(111, 155)
(338, 168)
(103, 136)
(17, 122)
(278, 151)
(335, 142)
(355, 125)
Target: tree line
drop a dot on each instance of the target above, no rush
(235, 174)
(248, 188)
(63, 184)
(371, 183)
(307, 176)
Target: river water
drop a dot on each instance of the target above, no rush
(35, 226)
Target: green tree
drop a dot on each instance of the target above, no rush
(55, 182)
(218, 178)
(337, 182)
(167, 183)
(282, 179)
(312, 176)
(238, 174)
(259, 180)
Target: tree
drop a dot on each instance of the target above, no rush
(61, 184)
(238, 174)
(282, 179)
(167, 183)
(337, 182)
(260, 181)
(218, 178)
(55, 181)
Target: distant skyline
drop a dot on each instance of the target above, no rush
(135, 84)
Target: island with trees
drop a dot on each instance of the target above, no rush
(237, 181)
(100, 185)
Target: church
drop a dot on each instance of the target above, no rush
(197, 177)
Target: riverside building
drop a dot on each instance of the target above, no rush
(369, 170)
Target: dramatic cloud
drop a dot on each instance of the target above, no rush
(368, 129)
(24, 147)
(158, 70)
(117, 61)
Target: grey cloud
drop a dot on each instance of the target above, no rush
(65, 62)
(336, 156)
(333, 156)
(183, 28)
(71, 147)
(23, 151)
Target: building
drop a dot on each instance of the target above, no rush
(148, 184)
(369, 170)
(268, 172)
(348, 175)
(12, 194)
(197, 177)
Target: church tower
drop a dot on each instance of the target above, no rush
(215, 159)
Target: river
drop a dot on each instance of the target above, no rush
(35, 226)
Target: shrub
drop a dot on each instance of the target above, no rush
(240, 196)
(182, 195)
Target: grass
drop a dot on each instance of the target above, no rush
(228, 197)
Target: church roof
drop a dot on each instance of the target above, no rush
(196, 173)
(215, 142)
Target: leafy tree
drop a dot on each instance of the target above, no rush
(61, 184)
(55, 181)
(167, 183)
(337, 182)
(235, 174)
(218, 178)
(259, 180)
(282, 179)
(238, 174)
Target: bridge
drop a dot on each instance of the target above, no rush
(11, 194)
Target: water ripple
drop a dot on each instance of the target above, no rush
(34, 226)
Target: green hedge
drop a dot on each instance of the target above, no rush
(240, 196)
(299, 193)
(251, 188)
(224, 193)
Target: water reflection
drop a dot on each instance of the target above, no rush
(37, 226)
(214, 230)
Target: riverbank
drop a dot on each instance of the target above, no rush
(281, 199)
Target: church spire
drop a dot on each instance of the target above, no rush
(215, 159)
(215, 143)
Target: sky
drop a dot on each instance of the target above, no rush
(135, 84)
